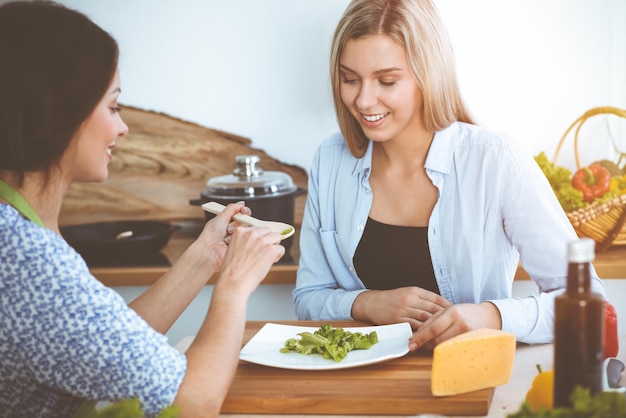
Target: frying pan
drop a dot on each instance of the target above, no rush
(118, 239)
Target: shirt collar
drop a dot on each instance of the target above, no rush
(364, 164)
(441, 150)
(439, 157)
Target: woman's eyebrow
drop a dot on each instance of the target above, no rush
(377, 72)
(345, 68)
(387, 70)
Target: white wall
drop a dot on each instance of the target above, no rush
(274, 302)
(258, 68)
(267, 303)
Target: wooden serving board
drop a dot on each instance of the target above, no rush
(395, 387)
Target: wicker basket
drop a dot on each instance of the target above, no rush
(605, 222)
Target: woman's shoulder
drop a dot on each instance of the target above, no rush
(333, 151)
(36, 252)
(490, 141)
(18, 234)
(469, 134)
(334, 141)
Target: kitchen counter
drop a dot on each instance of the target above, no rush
(505, 400)
(609, 265)
(145, 275)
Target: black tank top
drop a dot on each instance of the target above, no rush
(390, 256)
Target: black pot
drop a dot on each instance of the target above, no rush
(118, 241)
(270, 195)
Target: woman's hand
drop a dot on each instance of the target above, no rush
(212, 357)
(406, 304)
(163, 302)
(455, 320)
(216, 234)
(251, 253)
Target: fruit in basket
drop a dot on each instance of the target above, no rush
(618, 185)
(569, 197)
(611, 166)
(594, 181)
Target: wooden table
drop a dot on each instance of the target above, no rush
(399, 387)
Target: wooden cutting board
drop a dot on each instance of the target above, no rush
(395, 387)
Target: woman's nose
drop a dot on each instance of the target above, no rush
(123, 128)
(367, 96)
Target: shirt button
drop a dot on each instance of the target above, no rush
(359, 227)
(368, 191)
(350, 268)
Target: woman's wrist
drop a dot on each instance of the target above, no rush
(493, 315)
(234, 282)
(205, 257)
(358, 312)
(194, 266)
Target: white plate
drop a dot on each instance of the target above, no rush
(264, 347)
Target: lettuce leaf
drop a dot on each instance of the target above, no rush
(329, 342)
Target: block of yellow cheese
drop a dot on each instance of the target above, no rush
(472, 361)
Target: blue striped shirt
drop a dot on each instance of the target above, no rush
(495, 208)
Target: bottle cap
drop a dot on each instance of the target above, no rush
(581, 250)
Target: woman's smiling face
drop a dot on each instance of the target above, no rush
(95, 140)
(378, 88)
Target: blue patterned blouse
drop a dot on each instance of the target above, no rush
(65, 337)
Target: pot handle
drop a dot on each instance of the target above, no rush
(198, 202)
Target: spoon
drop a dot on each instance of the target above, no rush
(285, 230)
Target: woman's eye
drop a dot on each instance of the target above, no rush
(116, 109)
(349, 80)
(387, 83)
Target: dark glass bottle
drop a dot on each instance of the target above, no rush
(578, 328)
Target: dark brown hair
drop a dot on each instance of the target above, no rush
(55, 66)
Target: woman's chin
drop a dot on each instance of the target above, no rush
(93, 178)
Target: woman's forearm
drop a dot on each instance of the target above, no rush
(163, 302)
(213, 356)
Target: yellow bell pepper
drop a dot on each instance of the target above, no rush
(541, 394)
(618, 185)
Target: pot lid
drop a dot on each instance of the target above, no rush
(249, 181)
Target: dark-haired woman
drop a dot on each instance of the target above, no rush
(64, 337)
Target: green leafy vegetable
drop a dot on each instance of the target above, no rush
(603, 405)
(569, 197)
(331, 343)
(130, 408)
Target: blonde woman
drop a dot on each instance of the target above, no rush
(414, 212)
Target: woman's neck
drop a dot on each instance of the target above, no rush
(44, 197)
(405, 155)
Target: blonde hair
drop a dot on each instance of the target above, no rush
(416, 26)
